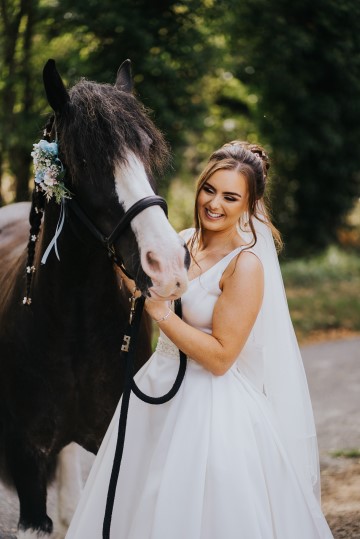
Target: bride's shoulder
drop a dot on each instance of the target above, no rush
(245, 266)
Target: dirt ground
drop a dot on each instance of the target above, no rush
(332, 367)
(340, 481)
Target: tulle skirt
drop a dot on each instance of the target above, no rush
(206, 465)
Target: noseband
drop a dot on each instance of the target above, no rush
(109, 241)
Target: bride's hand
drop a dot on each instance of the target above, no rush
(156, 309)
(129, 283)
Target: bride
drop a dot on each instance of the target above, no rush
(233, 455)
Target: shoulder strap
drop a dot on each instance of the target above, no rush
(230, 256)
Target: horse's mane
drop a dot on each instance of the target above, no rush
(99, 125)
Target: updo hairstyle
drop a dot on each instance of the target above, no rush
(252, 161)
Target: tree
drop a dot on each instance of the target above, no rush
(25, 26)
(302, 59)
(170, 45)
(16, 27)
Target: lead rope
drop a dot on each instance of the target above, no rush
(128, 350)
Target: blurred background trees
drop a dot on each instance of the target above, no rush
(284, 74)
(302, 60)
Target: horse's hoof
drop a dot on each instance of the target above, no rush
(42, 530)
(31, 534)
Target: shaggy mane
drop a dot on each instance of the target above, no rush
(100, 125)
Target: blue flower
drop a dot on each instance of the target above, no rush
(53, 148)
(48, 147)
(39, 176)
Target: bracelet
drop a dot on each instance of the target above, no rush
(165, 317)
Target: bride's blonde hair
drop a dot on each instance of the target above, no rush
(253, 163)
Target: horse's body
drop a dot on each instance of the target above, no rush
(59, 357)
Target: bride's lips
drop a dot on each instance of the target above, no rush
(213, 216)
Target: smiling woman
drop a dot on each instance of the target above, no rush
(234, 453)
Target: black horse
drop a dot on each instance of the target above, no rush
(61, 323)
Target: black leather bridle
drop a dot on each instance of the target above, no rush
(133, 211)
(109, 241)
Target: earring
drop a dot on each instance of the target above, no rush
(244, 220)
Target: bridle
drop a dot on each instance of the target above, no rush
(134, 210)
(109, 241)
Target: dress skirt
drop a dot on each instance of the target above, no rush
(206, 465)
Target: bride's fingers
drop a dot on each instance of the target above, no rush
(129, 283)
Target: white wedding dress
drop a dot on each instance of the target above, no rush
(209, 464)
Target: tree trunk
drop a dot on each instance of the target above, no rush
(16, 67)
(21, 166)
(1, 176)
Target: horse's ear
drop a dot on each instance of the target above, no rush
(124, 80)
(56, 93)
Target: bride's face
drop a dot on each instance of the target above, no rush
(222, 200)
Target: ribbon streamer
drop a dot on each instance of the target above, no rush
(53, 243)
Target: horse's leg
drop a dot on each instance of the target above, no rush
(69, 486)
(29, 469)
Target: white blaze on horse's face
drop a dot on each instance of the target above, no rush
(162, 251)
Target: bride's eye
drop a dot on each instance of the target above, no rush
(208, 189)
(230, 199)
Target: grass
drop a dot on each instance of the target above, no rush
(346, 453)
(324, 293)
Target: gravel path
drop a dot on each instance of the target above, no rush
(333, 374)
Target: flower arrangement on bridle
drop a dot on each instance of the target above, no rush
(49, 174)
(49, 171)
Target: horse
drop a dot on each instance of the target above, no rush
(62, 321)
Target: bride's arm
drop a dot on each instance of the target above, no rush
(234, 315)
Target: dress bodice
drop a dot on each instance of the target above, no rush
(198, 304)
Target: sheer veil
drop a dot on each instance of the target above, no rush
(285, 381)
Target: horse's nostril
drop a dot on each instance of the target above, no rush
(178, 285)
(154, 264)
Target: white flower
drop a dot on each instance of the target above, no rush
(49, 171)
(48, 179)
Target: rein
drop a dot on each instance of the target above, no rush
(128, 351)
(128, 348)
